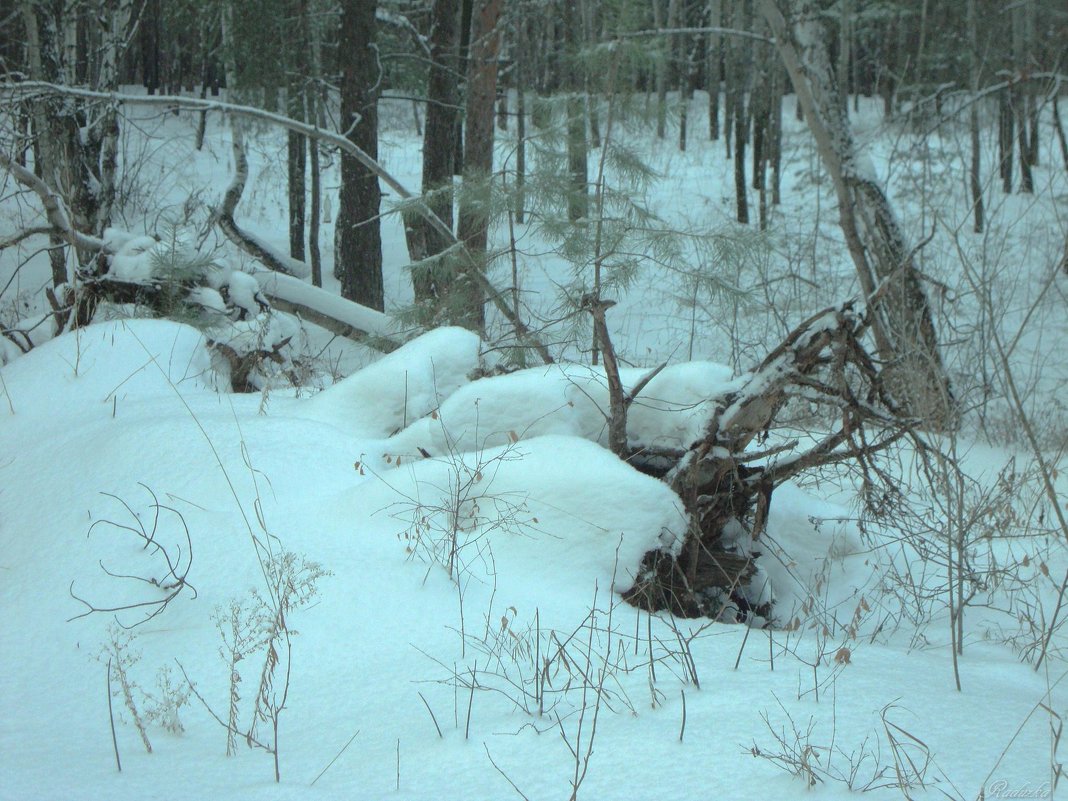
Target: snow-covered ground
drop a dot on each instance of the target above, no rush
(450, 552)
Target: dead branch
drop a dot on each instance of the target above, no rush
(173, 576)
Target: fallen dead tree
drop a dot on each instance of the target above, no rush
(727, 488)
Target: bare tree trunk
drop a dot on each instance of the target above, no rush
(661, 71)
(473, 229)
(904, 331)
(775, 135)
(741, 110)
(316, 113)
(975, 177)
(107, 124)
(589, 27)
(297, 146)
(713, 58)
(1021, 43)
(439, 146)
(358, 238)
(845, 34)
(688, 74)
(1005, 139)
(577, 156)
(521, 139)
(1059, 127)
(1027, 180)
(76, 144)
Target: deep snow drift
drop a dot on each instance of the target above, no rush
(472, 592)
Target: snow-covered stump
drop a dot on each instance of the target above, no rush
(727, 489)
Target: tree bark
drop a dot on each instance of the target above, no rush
(974, 175)
(903, 326)
(466, 306)
(297, 146)
(439, 144)
(713, 58)
(661, 71)
(358, 238)
(577, 154)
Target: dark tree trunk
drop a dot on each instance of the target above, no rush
(467, 10)
(439, 143)
(521, 139)
(1005, 140)
(358, 240)
(473, 230)
(775, 135)
(741, 127)
(713, 67)
(297, 148)
(151, 19)
(577, 156)
(661, 71)
(1059, 128)
(1027, 181)
(975, 177)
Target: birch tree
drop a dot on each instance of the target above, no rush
(903, 326)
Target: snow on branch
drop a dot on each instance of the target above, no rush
(334, 313)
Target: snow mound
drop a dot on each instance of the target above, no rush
(402, 386)
(807, 540)
(570, 400)
(554, 512)
(116, 359)
(135, 260)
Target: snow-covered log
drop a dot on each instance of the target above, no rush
(726, 489)
(332, 312)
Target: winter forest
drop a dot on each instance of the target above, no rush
(533, 399)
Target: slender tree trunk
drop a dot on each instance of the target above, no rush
(1058, 125)
(473, 229)
(467, 10)
(106, 129)
(661, 71)
(521, 140)
(775, 135)
(316, 112)
(975, 176)
(577, 158)
(845, 34)
(742, 109)
(1005, 139)
(297, 147)
(439, 146)
(1027, 180)
(1022, 39)
(686, 81)
(358, 238)
(713, 59)
(589, 27)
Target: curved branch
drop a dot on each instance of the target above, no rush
(55, 211)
